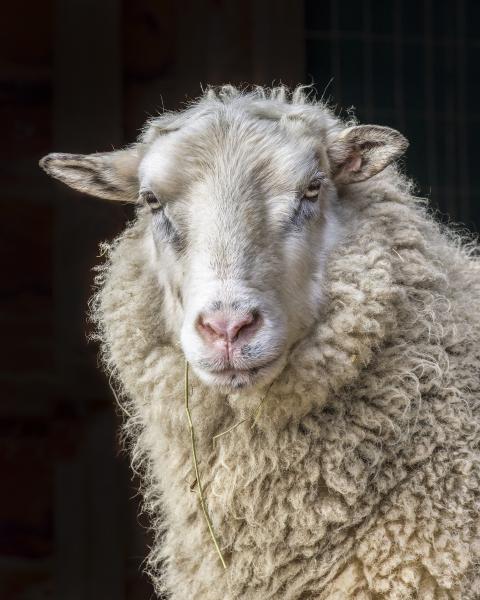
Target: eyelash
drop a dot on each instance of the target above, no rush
(161, 223)
(308, 206)
(314, 188)
(150, 200)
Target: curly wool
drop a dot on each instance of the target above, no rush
(361, 476)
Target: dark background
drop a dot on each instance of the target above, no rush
(81, 76)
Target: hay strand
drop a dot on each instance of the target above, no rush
(234, 426)
(197, 473)
(256, 414)
(261, 404)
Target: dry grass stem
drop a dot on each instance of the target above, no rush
(261, 404)
(219, 435)
(256, 414)
(197, 473)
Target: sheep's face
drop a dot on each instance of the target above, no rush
(242, 217)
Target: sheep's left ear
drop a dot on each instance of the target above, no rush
(360, 152)
(109, 175)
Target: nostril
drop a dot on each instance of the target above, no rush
(243, 325)
(213, 327)
(221, 326)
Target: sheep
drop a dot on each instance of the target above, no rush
(331, 328)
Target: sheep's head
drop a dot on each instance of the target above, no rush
(241, 194)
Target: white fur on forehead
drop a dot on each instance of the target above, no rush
(293, 110)
(284, 142)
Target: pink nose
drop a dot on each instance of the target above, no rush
(220, 326)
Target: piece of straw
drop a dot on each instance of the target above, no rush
(197, 474)
(256, 414)
(234, 426)
(258, 410)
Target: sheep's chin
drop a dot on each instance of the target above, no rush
(235, 380)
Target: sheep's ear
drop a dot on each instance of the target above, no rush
(109, 175)
(360, 152)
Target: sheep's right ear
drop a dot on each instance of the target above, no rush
(109, 175)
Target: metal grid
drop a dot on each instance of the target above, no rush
(410, 64)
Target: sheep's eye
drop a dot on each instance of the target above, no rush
(313, 189)
(150, 199)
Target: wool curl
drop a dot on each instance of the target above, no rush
(361, 477)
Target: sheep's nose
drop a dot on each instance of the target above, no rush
(220, 326)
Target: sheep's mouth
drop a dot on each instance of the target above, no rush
(235, 378)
